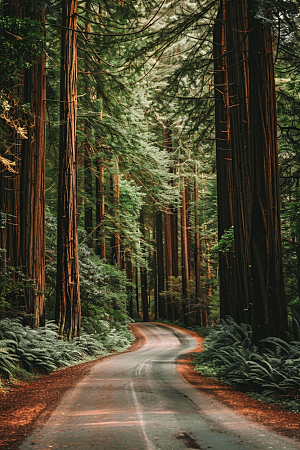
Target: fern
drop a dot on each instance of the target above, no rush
(229, 355)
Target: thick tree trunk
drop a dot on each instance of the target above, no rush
(160, 265)
(255, 192)
(10, 183)
(100, 212)
(229, 302)
(269, 308)
(32, 199)
(68, 309)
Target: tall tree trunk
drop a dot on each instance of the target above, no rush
(32, 199)
(10, 180)
(68, 309)
(160, 265)
(185, 257)
(155, 281)
(145, 310)
(168, 259)
(129, 293)
(88, 180)
(197, 254)
(136, 276)
(100, 211)
(171, 234)
(115, 238)
(229, 301)
(259, 275)
(88, 187)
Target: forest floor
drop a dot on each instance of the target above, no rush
(26, 402)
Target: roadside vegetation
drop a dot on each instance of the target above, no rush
(25, 352)
(269, 371)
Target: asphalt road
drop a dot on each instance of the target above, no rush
(137, 401)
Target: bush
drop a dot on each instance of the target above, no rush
(273, 374)
(24, 350)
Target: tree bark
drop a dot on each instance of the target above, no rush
(255, 192)
(144, 283)
(68, 308)
(32, 198)
(129, 277)
(229, 302)
(197, 255)
(160, 265)
(185, 257)
(100, 212)
(136, 275)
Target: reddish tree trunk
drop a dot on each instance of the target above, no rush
(32, 199)
(229, 302)
(68, 309)
(197, 254)
(257, 244)
(160, 265)
(100, 212)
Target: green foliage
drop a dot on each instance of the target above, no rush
(226, 242)
(272, 372)
(21, 42)
(24, 350)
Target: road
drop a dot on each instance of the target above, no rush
(137, 401)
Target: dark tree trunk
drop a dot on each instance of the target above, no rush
(10, 182)
(115, 238)
(197, 255)
(160, 265)
(32, 198)
(269, 308)
(229, 302)
(100, 211)
(171, 234)
(255, 192)
(155, 282)
(144, 288)
(68, 309)
(136, 276)
(185, 257)
(129, 277)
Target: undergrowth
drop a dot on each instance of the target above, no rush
(271, 375)
(25, 352)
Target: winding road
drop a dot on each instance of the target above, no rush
(138, 401)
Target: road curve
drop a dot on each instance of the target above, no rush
(137, 401)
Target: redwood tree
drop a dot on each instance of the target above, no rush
(258, 272)
(68, 310)
(32, 185)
